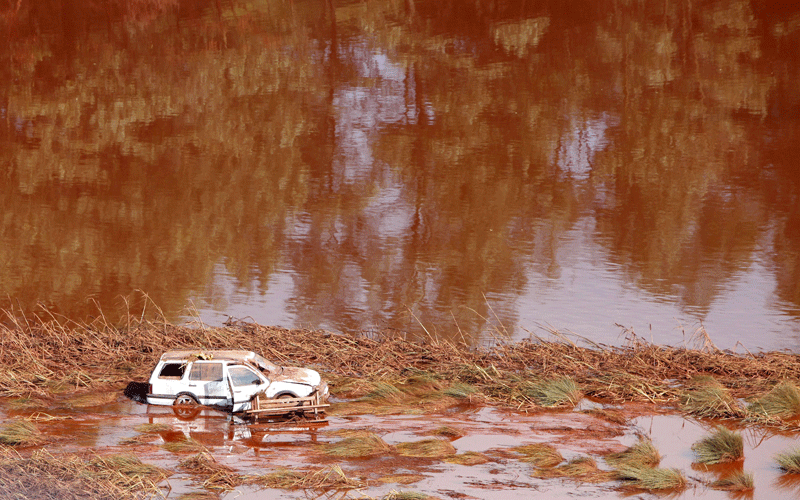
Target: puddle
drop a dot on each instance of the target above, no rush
(260, 448)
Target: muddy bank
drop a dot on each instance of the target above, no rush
(437, 419)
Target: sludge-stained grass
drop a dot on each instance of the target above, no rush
(722, 446)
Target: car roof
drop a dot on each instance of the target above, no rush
(208, 354)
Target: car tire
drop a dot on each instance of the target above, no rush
(186, 406)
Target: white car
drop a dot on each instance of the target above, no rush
(228, 379)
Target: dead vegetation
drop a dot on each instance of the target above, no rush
(20, 433)
(722, 446)
(540, 455)
(327, 478)
(789, 461)
(41, 355)
(642, 454)
(737, 481)
(67, 477)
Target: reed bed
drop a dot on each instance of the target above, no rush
(216, 476)
(789, 461)
(41, 354)
(560, 391)
(737, 481)
(722, 446)
(70, 477)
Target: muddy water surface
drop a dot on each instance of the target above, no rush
(261, 448)
(482, 168)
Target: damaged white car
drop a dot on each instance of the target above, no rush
(232, 380)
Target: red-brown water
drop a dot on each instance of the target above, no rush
(261, 448)
(483, 168)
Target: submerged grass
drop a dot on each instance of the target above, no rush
(642, 454)
(325, 478)
(468, 458)
(789, 461)
(722, 446)
(782, 401)
(650, 478)
(20, 433)
(427, 448)
(737, 481)
(356, 445)
(579, 468)
(66, 477)
(540, 454)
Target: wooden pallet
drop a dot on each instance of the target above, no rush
(310, 406)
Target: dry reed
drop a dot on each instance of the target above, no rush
(782, 401)
(427, 448)
(649, 478)
(468, 458)
(580, 468)
(356, 445)
(40, 354)
(707, 398)
(20, 433)
(641, 454)
(328, 478)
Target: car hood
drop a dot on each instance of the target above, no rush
(300, 375)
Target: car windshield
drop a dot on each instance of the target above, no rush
(266, 365)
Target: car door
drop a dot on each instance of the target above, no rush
(245, 383)
(207, 383)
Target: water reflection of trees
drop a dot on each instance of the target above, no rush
(395, 154)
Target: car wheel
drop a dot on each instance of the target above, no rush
(186, 406)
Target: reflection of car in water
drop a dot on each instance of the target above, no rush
(237, 381)
(211, 428)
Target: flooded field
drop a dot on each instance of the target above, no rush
(478, 169)
(490, 434)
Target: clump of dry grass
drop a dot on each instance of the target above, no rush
(560, 391)
(406, 495)
(217, 476)
(21, 433)
(540, 454)
(649, 478)
(152, 428)
(789, 461)
(186, 445)
(737, 481)
(580, 468)
(641, 454)
(613, 416)
(66, 477)
(782, 401)
(402, 478)
(328, 478)
(447, 432)
(355, 445)
(722, 446)
(427, 448)
(468, 458)
(707, 398)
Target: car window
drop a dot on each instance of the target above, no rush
(243, 376)
(208, 372)
(172, 370)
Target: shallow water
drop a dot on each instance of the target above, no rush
(261, 448)
(482, 168)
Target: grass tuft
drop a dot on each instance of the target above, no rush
(580, 468)
(184, 446)
(707, 398)
(540, 454)
(738, 481)
(355, 445)
(152, 428)
(325, 478)
(642, 454)
(468, 458)
(789, 461)
(782, 401)
(427, 448)
(562, 391)
(649, 478)
(722, 446)
(447, 432)
(20, 433)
